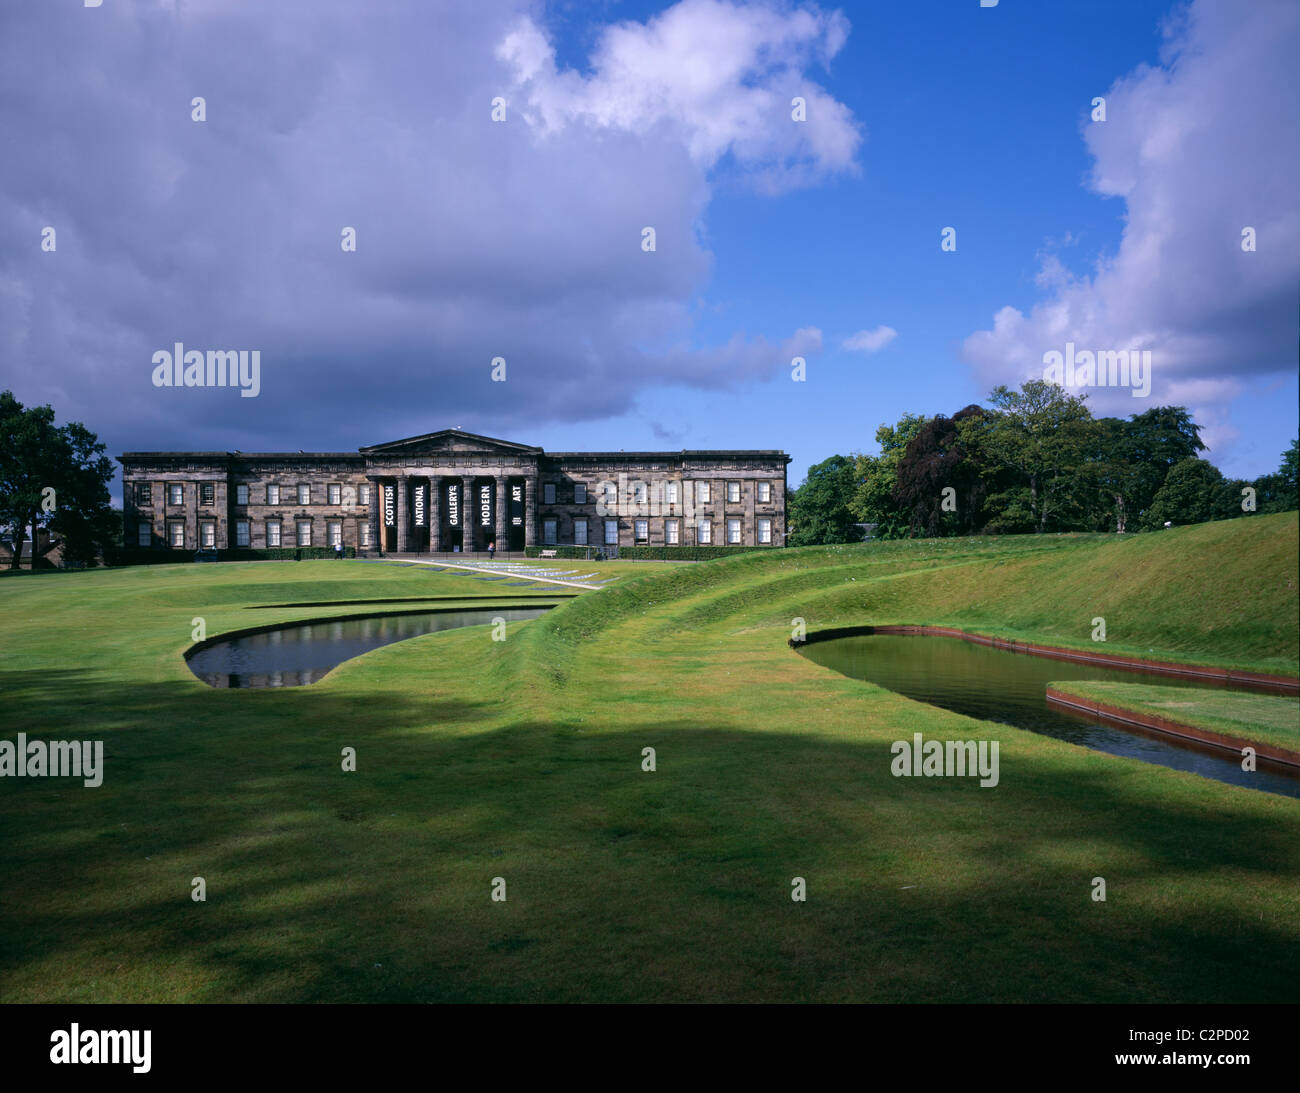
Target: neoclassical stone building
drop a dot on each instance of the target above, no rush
(449, 490)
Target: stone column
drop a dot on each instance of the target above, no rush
(402, 505)
(376, 513)
(503, 512)
(468, 515)
(434, 509)
(530, 511)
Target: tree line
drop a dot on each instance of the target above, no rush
(1033, 461)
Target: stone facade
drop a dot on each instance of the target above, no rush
(453, 489)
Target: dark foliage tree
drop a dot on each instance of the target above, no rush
(53, 478)
(819, 508)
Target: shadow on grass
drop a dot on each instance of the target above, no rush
(622, 885)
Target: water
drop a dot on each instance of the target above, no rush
(302, 653)
(1011, 688)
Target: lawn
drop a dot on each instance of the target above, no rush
(522, 759)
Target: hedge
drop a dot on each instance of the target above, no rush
(168, 556)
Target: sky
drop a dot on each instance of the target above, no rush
(133, 218)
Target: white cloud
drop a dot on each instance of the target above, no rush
(1197, 148)
(871, 341)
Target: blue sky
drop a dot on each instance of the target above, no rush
(522, 239)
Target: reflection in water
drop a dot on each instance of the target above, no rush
(303, 653)
(1011, 688)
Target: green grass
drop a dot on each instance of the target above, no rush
(522, 759)
(1267, 719)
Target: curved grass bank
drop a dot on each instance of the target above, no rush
(523, 759)
(1269, 724)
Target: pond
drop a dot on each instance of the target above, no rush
(1011, 688)
(304, 652)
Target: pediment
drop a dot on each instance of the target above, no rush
(449, 440)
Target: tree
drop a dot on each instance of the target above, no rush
(1280, 492)
(936, 460)
(55, 479)
(873, 500)
(1194, 491)
(819, 508)
(1041, 436)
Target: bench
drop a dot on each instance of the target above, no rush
(547, 554)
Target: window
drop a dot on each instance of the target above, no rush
(176, 535)
(241, 495)
(733, 532)
(363, 533)
(207, 493)
(705, 532)
(548, 532)
(580, 532)
(241, 533)
(272, 494)
(144, 494)
(304, 533)
(304, 495)
(548, 493)
(733, 493)
(175, 494)
(145, 535)
(765, 492)
(641, 531)
(334, 528)
(273, 533)
(611, 533)
(336, 495)
(672, 532)
(670, 493)
(611, 494)
(579, 494)
(207, 535)
(639, 492)
(701, 493)
(765, 531)
(363, 495)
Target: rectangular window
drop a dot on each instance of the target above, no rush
(548, 532)
(363, 533)
(611, 494)
(272, 494)
(176, 535)
(207, 535)
(336, 495)
(611, 533)
(548, 493)
(241, 495)
(672, 532)
(705, 532)
(641, 531)
(207, 493)
(765, 492)
(579, 532)
(176, 494)
(145, 535)
(670, 493)
(363, 494)
(334, 529)
(304, 533)
(765, 531)
(640, 492)
(304, 495)
(579, 494)
(241, 533)
(273, 533)
(733, 532)
(733, 493)
(701, 493)
(143, 494)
